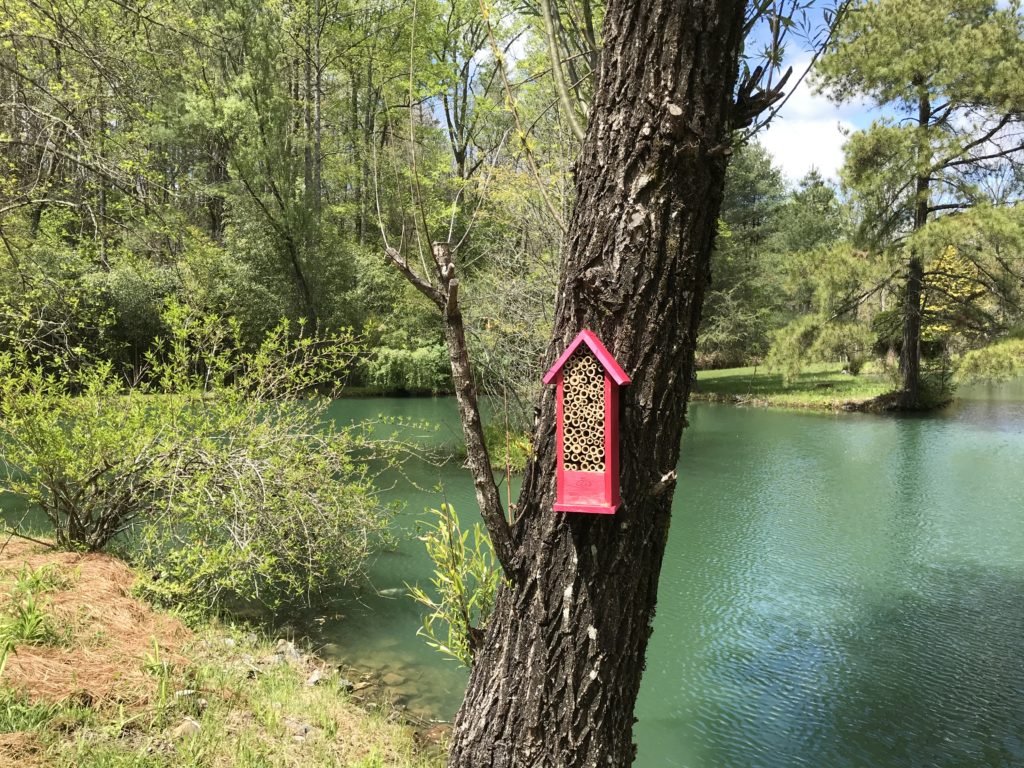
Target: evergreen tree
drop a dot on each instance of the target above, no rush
(949, 71)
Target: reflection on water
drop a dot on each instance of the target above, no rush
(838, 590)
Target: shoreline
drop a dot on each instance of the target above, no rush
(879, 404)
(824, 387)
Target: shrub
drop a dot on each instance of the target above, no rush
(466, 579)
(215, 470)
(1001, 361)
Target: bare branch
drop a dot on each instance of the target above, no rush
(411, 275)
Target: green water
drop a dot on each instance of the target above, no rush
(837, 591)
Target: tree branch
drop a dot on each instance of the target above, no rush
(477, 456)
(556, 71)
(418, 282)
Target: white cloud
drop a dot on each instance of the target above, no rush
(808, 132)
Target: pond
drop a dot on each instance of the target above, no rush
(838, 590)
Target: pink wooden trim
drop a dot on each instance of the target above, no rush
(611, 477)
(611, 441)
(611, 367)
(588, 509)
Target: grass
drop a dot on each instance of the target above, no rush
(210, 697)
(26, 618)
(822, 386)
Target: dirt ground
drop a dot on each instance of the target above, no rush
(114, 635)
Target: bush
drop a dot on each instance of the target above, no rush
(466, 579)
(1001, 361)
(213, 470)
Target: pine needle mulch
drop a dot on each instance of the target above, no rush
(110, 637)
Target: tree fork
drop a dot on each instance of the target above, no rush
(557, 679)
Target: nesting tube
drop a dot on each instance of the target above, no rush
(583, 413)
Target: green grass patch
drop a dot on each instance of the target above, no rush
(822, 386)
(227, 698)
(235, 704)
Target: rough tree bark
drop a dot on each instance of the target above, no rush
(557, 679)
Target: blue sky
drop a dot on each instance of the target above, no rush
(808, 131)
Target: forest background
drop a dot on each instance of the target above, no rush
(253, 161)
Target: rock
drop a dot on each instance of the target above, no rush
(346, 685)
(315, 677)
(392, 679)
(184, 694)
(229, 642)
(250, 638)
(298, 729)
(186, 729)
(362, 685)
(287, 650)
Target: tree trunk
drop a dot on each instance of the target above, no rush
(557, 680)
(910, 358)
(217, 178)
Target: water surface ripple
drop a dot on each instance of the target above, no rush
(838, 591)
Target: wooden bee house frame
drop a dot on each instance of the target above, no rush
(588, 380)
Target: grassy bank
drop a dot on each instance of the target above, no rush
(823, 386)
(93, 677)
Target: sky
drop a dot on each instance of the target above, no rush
(809, 130)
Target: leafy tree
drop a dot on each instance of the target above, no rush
(834, 324)
(949, 72)
(811, 224)
(973, 289)
(740, 308)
